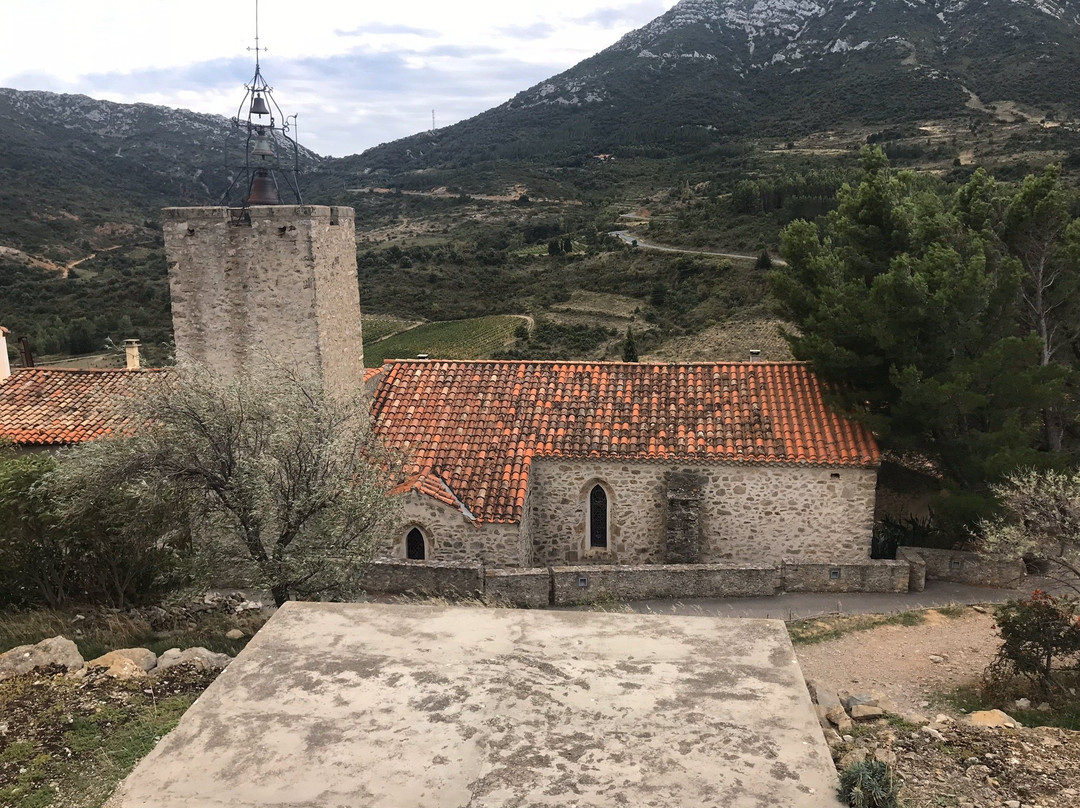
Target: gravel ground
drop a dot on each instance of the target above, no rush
(899, 660)
(948, 763)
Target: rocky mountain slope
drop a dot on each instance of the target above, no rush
(72, 165)
(710, 69)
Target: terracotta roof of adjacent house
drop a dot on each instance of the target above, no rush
(57, 406)
(479, 425)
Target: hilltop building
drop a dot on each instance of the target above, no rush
(513, 464)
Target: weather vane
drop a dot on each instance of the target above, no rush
(261, 132)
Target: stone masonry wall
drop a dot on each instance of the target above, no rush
(754, 514)
(589, 584)
(424, 578)
(961, 566)
(452, 537)
(528, 588)
(869, 576)
(279, 284)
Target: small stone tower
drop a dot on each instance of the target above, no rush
(267, 284)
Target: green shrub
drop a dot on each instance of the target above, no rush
(869, 784)
(103, 553)
(1040, 645)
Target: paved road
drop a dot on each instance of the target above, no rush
(630, 238)
(797, 606)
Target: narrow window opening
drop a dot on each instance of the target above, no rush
(598, 517)
(414, 545)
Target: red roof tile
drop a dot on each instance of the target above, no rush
(56, 406)
(478, 425)
(470, 430)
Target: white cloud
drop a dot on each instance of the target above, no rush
(357, 76)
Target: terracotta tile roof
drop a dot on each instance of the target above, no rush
(56, 406)
(478, 425)
(470, 430)
(371, 373)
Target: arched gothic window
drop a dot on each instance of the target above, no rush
(598, 517)
(415, 548)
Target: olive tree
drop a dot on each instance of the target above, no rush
(1039, 518)
(279, 484)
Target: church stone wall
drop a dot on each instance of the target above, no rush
(273, 283)
(749, 513)
(452, 537)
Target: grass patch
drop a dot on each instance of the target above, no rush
(452, 339)
(970, 698)
(70, 741)
(822, 629)
(953, 610)
(100, 632)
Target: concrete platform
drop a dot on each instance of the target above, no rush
(372, 705)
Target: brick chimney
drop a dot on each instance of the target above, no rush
(5, 365)
(131, 350)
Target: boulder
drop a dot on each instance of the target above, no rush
(143, 657)
(117, 666)
(866, 712)
(198, 656)
(54, 651)
(992, 718)
(850, 701)
(235, 634)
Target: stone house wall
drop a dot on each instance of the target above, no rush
(748, 514)
(449, 536)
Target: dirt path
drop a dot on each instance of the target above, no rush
(630, 238)
(899, 660)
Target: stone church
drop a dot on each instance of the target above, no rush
(509, 463)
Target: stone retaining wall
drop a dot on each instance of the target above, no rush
(589, 584)
(873, 576)
(441, 578)
(529, 588)
(537, 587)
(917, 568)
(963, 567)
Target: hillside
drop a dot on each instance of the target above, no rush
(709, 71)
(75, 169)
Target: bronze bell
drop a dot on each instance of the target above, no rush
(263, 190)
(258, 105)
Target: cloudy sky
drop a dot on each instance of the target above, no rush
(358, 74)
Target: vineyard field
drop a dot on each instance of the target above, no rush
(453, 339)
(376, 327)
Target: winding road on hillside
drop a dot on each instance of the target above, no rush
(630, 238)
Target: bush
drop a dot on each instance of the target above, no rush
(1040, 644)
(869, 784)
(101, 552)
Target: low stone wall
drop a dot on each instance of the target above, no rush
(527, 588)
(917, 575)
(451, 579)
(537, 587)
(590, 584)
(964, 567)
(873, 576)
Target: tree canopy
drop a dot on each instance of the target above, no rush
(920, 307)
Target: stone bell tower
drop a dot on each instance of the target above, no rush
(256, 281)
(267, 284)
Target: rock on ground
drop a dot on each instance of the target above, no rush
(198, 656)
(58, 651)
(143, 657)
(117, 666)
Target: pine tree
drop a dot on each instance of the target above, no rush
(629, 350)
